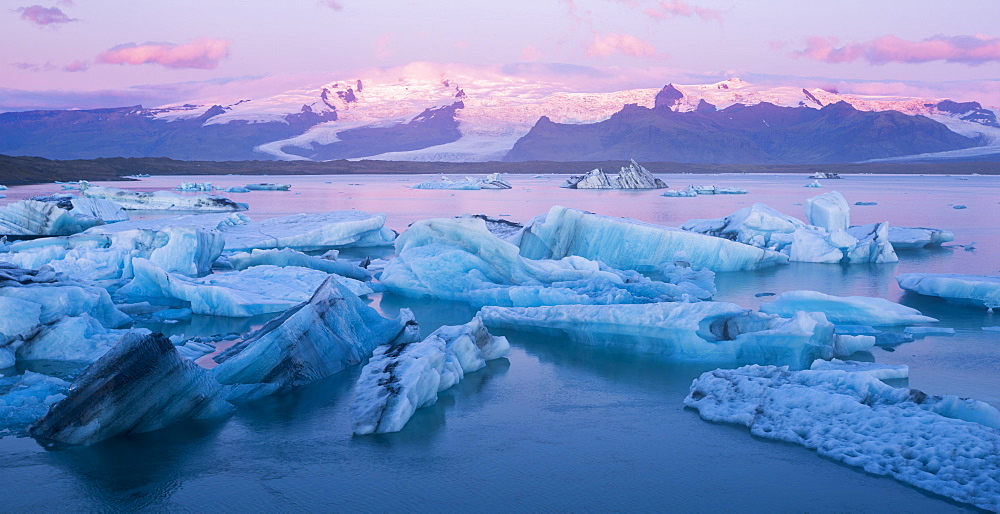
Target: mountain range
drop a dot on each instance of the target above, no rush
(471, 120)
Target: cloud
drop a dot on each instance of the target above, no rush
(971, 50)
(42, 16)
(77, 66)
(674, 8)
(33, 67)
(605, 45)
(202, 53)
(333, 4)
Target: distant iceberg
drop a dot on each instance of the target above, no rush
(401, 378)
(942, 444)
(491, 181)
(268, 186)
(633, 176)
(162, 200)
(976, 290)
(195, 186)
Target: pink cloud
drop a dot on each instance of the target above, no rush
(77, 66)
(43, 16)
(971, 50)
(333, 4)
(669, 8)
(626, 44)
(531, 53)
(202, 53)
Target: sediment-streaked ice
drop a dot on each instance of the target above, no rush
(401, 378)
(626, 243)
(310, 341)
(942, 444)
(459, 259)
(38, 218)
(851, 310)
(977, 290)
(162, 200)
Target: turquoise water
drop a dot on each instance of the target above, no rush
(554, 426)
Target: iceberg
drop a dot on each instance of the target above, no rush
(288, 257)
(914, 237)
(690, 192)
(401, 378)
(491, 181)
(162, 200)
(268, 186)
(851, 310)
(459, 259)
(40, 218)
(78, 338)
(625, 243)
(941, 444)
(140, 385)
(313, 340)
(874, 369)
(104, 210)
(195, 186)
(56, 296)
(814, 183)
(758, 225)
(25, 398)
(829, 211)
(976, 290)
(633, 176)
(306, 232)
(708, 332)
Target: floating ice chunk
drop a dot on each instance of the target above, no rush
(914, 237)
(289, 257)
(84, 208)
(491, 181)
(330, 332)
(459, 259)
(73, 339)
(715, 332)
(237, 189)
(829, 210)
(633, 176)
(162, 200)
(874, 369)
(942, 444)
(57, 297)
(846, 344)
(758, 225)
(853, 310)
(19, 319)
(690, 192)
(338, 229)
(625, 243)
(992, 328)
(977, 290)
(959, 207)
(814, 183)
(268, 186)
(38, 218)
(25, 398)
(140, 385)
(195, 186)
(593, 179)
(404, 377)
(920, 332)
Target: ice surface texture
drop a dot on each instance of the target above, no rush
(37, 218)
(829, 211)
(625, 243)
(851, 310)
(944, 444)
(978, 290)
(337, 229)
(459, 259)
(162, 200)
(141, 385)
(288, 257)
(331, 331)
(401, 378)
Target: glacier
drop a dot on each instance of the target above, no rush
(976, 290)
(941, 444)
(161, 200)
(310, 341)
(459, 259)
(401, 378)
(632, 176)
(140, 385)
(850, 310)
(705, 332)
(626, 243)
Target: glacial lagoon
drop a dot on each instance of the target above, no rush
(555, 426)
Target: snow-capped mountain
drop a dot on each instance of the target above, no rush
(457, 119)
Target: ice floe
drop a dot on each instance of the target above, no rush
(913, 237)
(162, 200)
(851, 310)
(403, 377)
(977, 290)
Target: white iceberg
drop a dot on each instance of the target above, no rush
(829, 211)
(633, 176)
(851, 310)
(491, 181)
(758, 225)
(141, 385)
(313, 340)
(195, 186)
(840, 247)
(56, 296)
(977, 290)
(941, 444)
(710, 332)
(268, 186)
(625, 243)
(459, 259)
(162, 200)
(338, 229)
(814, 183)
(401, 378)
(915, 237)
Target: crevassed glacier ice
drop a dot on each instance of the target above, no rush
(714, 332)
(977, 290)
(851, 310)
(459, 259)
(140, 385)
(313, 340)
(625, 243)
(829, 211)
(162, 200)
(401, 378)
(289, 257)
(942, 444)
(879, 371)
(256, 290)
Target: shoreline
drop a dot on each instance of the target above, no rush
(36, 170)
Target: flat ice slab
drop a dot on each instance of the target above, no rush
(943, 444)
(162, 200)
(851, 310)
(977, 290)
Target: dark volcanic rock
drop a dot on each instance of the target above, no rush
(668, 97)
(969, 111)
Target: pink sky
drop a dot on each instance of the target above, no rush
(88, 53)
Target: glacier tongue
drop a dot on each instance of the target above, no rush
(141, 385)
(625, 243)
(403, 377)
(943, 444)
(313, 340)
(459, 259)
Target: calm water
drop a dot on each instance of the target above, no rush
(554, 426)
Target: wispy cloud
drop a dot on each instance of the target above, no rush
(971, 50)
(678, 8)
(203, 53)
(33, 67)
(43, 16)
(77, 66)
(605, 45)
